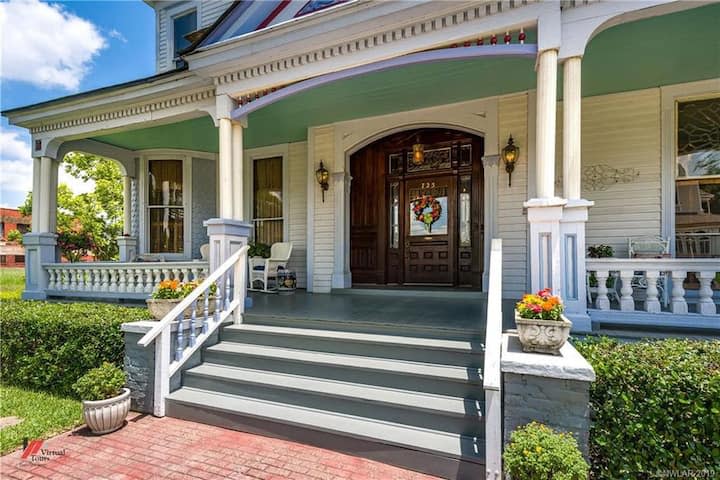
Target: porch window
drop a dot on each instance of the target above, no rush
(166, 211)
(697, 184)
(268, 200)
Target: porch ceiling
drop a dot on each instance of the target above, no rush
(674, 48)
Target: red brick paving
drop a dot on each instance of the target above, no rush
(149, 447)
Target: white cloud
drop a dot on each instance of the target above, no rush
(117, 35)
(16, 168)
(45, 45)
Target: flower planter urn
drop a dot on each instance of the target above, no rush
(542, 336)
(160, 307)
(105, 416)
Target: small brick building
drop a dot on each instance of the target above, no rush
(12, 254)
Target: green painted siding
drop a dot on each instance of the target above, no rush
(670, 49)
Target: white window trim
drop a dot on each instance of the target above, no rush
(145, 159)
(280, 150)
(171, 14)
(670, 95)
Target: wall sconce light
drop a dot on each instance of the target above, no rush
(323, 176)
(510, 154)
(418, 152)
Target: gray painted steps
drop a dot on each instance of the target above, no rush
(424, 402)
(463, 447)
(427, 350)
(379, 365)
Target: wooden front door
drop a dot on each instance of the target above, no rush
(417, 223)
(430, 230)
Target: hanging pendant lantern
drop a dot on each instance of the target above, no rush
(418, 157)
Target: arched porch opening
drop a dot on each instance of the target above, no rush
(416, 208)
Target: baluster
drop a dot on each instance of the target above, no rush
(104, 280)
(122, 285)
(148, 281)
(196, 273)
(227, 291)
(652, 304)
(602, 302)
(74, 274)
(219, 298)
(93, 279)
(157, 276)
(139, 286)
(180, 338)
(706, 306)
(206, 311)
(186, 274)
(80, 279)
(677, 302)
(113, 279)
(166, 274)
(61, 282)
(627, 303)
(192, 323)
(51, 278)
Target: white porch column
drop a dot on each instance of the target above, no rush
(228, 233)
(237, 171)
(225, 176)
(127, 205)
(342, 276)
(40, 245)
(545, 211)
(490, 194)
(127, 243)
(575, 214)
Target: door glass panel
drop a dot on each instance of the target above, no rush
(428, 210)
(395, 215)
(166, 230)
(268, 200)
(165, 206)
(465, 198)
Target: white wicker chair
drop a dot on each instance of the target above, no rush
(265, 269)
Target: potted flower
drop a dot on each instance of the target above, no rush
(171, 292)
(541, 325)
(105, 401)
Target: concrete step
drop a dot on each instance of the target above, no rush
(451, 380)
(217, 408)
(465, 353)
(438, 412)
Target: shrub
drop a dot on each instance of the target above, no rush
(537, 452)
(600, 251)
(656, 407)
(100, 383)
(14, 235)
(48, 346)
(258, 249)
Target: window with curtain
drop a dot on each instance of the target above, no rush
(166, 210)
(268, 200)
(697, 181)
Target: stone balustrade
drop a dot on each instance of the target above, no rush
(117, 280)
(661, 280)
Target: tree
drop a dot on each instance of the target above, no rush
(97, 214)
(14, 235)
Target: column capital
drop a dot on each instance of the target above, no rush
(490, 161)
(224, 105)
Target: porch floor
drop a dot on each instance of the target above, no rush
(432, 310)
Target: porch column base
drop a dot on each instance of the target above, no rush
(573, 287)
(341, 280)
(128, 248)
(40, 248)
(226, 237)
(544, 215)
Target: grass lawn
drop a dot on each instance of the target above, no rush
(43, 415)
(12, 282)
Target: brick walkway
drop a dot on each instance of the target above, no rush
(149, 447)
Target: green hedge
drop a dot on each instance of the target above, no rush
(48, 346)
(656, 407)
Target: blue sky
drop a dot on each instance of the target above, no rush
(74, 46)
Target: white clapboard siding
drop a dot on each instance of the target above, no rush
(296, 215)
(324, 214)
(621, 131)
(210, 10)
(511, 219)
(161, 17)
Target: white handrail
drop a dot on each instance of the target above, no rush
(194, 295)
(492, 381)
(224, 307)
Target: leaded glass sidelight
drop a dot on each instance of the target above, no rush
(395, 215)
(465, 208)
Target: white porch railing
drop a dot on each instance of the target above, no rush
(492, 379)
(659, 279)
(231, 281)
(117, 280)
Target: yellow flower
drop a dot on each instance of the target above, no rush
(526, 452)
(538, 449)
